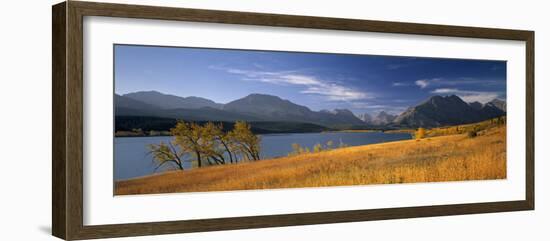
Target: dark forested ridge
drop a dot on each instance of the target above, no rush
(147, 124)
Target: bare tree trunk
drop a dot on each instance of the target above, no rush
(199, 158)
(218, 160)
(228, 151)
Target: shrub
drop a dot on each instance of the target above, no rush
(472, 134)
(420, 133)
(329, 144)
(317, 148)
(296, 149)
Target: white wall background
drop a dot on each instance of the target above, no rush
(25, 104)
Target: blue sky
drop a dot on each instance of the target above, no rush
(360, 83)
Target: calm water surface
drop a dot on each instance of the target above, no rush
(132, 160)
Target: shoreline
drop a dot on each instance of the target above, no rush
(286, 133)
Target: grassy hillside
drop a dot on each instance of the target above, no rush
(458, 129)
(451, 157)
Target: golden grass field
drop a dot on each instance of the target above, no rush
(452, 157)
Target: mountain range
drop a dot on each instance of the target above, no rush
(436, 111)
(254, 107)
(448, 110)
(164, 101)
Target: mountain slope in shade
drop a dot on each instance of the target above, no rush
(490, 111)
(442, 111)
(273, 108)
(165, 101)
(125, 102)
(268, 106)
(128, 106)
(254, 107)
(125, 106)
(476, 105)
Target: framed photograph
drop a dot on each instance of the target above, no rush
(171, 120)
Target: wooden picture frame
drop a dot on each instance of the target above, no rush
(67, 77)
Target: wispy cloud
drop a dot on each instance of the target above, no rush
(422, 83)
(438, 82)
(469, 95)
(377, 107)
(399, 84)
(336, 92)
(332, 90)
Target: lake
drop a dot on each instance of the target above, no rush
(131, 159)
